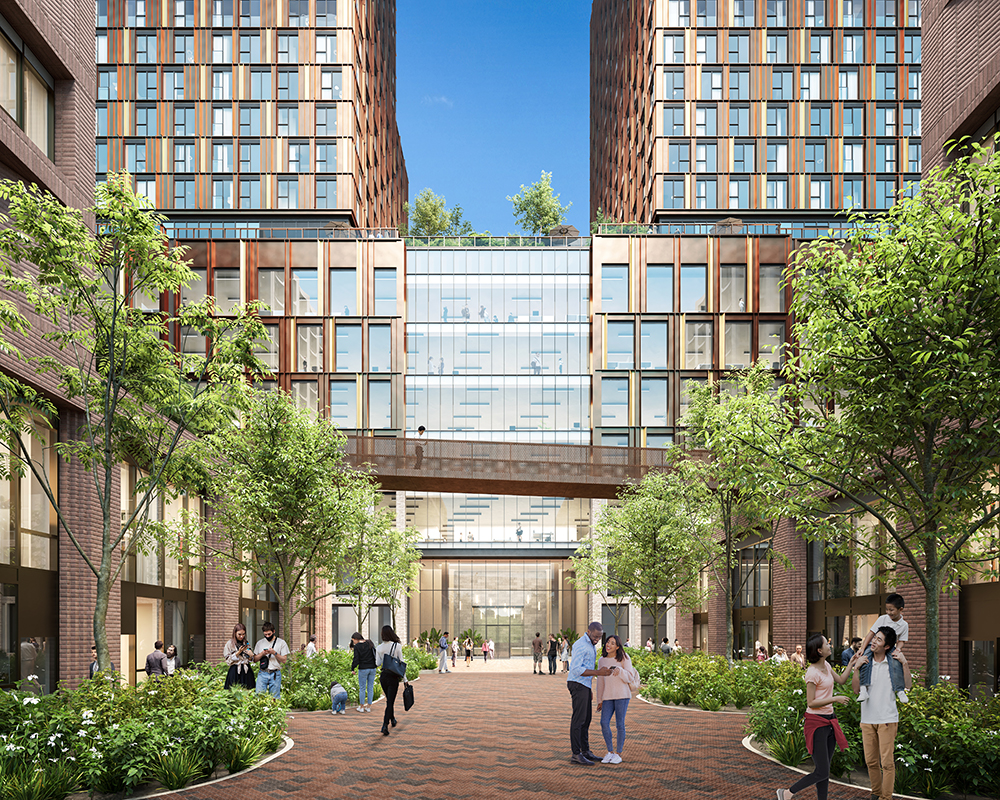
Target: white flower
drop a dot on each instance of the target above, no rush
(87, 722)
(11, 747)
(31, 701)
(32, 677)
(81, 733)
(87, 714)
(33, 736)
(791, 708)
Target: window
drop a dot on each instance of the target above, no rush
(885, 84)
(249, 48)
(693, 287)
(854, 192)
(739, 84)
(705, 156)
(101, 120)
(674, 84)
(678, 13)
(854, 121)
(102, 13)
(733, 288)
(379, 348)
(309, 348)
(711, 84)
(145, 48)
(848, 84)
(107, 83)
(706, 12)
(348, 347)
(673, 120)
(706, 50)
(911, 120)
(654, 395)
(854, 13)
(222, 84)
(298, 13)
(306, 395)
(885, 13)
(305, 292)
(743, 13)
(288, 48)
(854, 157)
(777, 13)
(326, 156)
(772, 296)
(135, 157)
(101, 158)
(222, 13)
(777, 48)
(288, 84)
(777, 120)
(260, 83)
(885, 193)
(146, 188)
(777, 156)
(135, 13)
(739, 192)
(704, 120)
(819, 193)
(913, 15)
(184, 156)
(614, 288)
(737, 347)
(698, 345)
(249, 193)
(329, 84)
(885, 121)
(777, 194)
(739, 48)
(815, 156)
(344, 288)
(183, 192)
(913, 84)
(145, 84)
(222, 121)
(673, 48)
(379, 405)
(819, 120)
(815, 13)
(222, 193)
(222, 48)
(743, 157)
(183, 48)
(326, 120)
(705, 194)
(614, 401)
(673, 193)
(183, 13)
(271, 290)
(249, 120)
(288, 192)
(911, 48)
(250, 13)
(621, 345)
(184, 121)
(885, 49)
(854, 48)
(885, 157)
(326, 48)
(739, 120)
(288, 121)
(659, 298)
(781, 84)
(914, 159)
(249, 156)
(326, 13)
(298, 156)
(222, 156)
(326, 193)
(344, 398)
(819, 48)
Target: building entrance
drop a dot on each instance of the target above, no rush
(505, 626)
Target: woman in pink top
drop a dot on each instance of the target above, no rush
(613, 693)
(821, 727)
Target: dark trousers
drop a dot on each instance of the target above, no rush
(552, 665)
(824, 742)
(579, 724)
(389, 681)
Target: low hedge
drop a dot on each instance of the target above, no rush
(107, 737)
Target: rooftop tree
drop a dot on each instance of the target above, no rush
(536, 209)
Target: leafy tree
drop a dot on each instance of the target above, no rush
(429, 217)
(645, 547)
(138, 395)
(536, 208)
(286, 499)
(745, 496)
(896, 381)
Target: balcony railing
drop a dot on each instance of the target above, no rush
(497, 241)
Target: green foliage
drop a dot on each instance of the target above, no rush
(429, 217)
(176, 768)
(789, 748)
(430, 639)
(242, 753)
(536, 209)
(570, 634)
(474, 635)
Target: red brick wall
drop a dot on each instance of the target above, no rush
(222, 604)
(788, 588)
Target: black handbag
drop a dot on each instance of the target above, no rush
(408, 697)
(393, 664)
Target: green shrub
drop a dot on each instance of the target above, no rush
(789, 748)
(176, 768)
(242, 754)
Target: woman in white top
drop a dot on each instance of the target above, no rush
(613, 693)
(388, 680)
(173, 662)
(238, 654)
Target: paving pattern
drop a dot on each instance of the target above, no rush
(486, 733)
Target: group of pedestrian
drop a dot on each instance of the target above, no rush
(159, 662)
(881, 680)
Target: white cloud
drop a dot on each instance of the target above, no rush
(437, 100)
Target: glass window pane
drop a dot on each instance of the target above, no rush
(269, 348)
(348, 348)
(305, 291)
(737, 345)
(227, 290)
(771, 346)
(271, 290)
(385, 292)
(698, 345)
(306, 394)
(654, 402)
(693, 287)
(379, 405)
(614, 401)
(653, 343)
(772, 296)
(380, 348)
(343, 291)
(733, 288)
(621, 345)
(659, 288)
(344, 403)
(309, 348)
(614, 288)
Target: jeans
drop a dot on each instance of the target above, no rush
(618, 708)
(366, 686)
(552, 665)
(340, 701)
(269, 682)
(880, 743)
(895, 670)
(389, 681)
(824, 741)
(579, 724)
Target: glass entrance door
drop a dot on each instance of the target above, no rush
(504, 625)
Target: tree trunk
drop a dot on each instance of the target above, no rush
(101, 616)
(932, 606)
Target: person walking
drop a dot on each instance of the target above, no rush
(271, 652)
(238, 655)
(798, 658)
(665, 647)
(364, 663)
(389, 680)
(493, 650)
(173, 661)
(311, 649)
(553, 651)
(467, 646)
(486, 650)
(443, 653)
(537, 646)
(578, 681)
(879, 713)
(156, 662)
(613, 694)
(822, 730)
(565, 654)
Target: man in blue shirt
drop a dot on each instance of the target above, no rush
(582, 665)
(443, 654)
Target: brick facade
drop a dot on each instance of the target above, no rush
(788, 588)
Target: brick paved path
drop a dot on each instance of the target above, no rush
(487, 735)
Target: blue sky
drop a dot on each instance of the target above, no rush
(489, 94)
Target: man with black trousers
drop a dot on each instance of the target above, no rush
(581, 669)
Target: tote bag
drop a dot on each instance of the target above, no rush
(393, 664)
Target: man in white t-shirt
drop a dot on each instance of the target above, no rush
(271, 652)
(879, 713)
(892, 618)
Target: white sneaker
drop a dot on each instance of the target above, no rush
(360, 709)
(863, 694)
(615, 759)
(607, 758)
(901, 696)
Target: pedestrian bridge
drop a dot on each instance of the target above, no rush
(554, 470)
